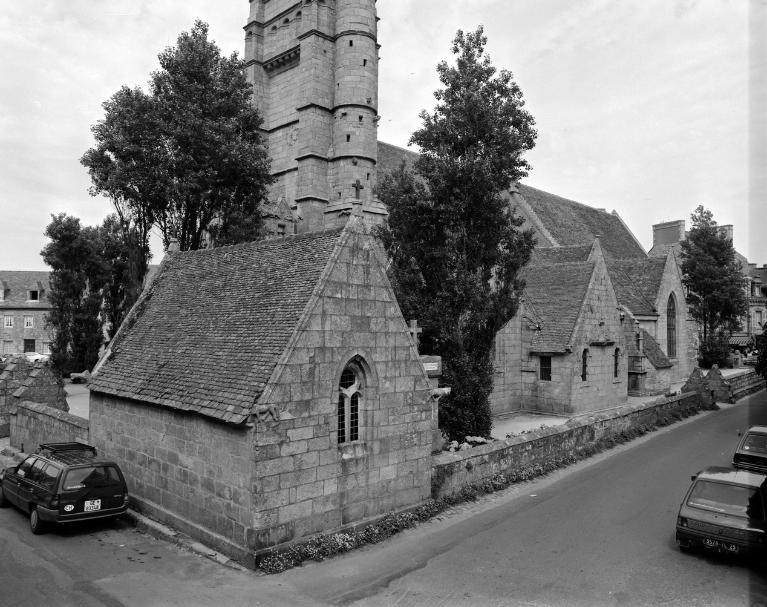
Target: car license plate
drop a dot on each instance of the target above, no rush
(92, 505)
(716, 544)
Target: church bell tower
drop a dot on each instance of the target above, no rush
(314, 69)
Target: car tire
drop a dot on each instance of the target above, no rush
(3, 501)
(35, 524)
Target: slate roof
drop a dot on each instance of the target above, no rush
(211, 328)
(636, 282)
(572, 223)
(556, 293)
(554, 255)
(390, 157)
(653, 352)
(16, 285)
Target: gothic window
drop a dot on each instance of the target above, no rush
(616, 361)
(585, 365)
(350, 394)
(545, 374)
(671, 327)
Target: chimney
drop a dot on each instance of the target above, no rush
(669, 232)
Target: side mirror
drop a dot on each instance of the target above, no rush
(693, 477)
(740, 432)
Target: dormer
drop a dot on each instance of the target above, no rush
(35, 292)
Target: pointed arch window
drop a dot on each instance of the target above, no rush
(671, 327)
(350, 395)
(585, 365)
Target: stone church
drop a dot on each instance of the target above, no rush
(267, 391)
(264, 392)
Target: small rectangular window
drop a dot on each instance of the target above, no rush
(34, 296)
(8, 322)
(29, 322)
(29, 345)
(46, 348)
(545, 374)
(7, 347)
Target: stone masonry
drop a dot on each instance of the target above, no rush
(245, 479)
(314, 69)
(22, 380)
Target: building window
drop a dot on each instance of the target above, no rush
(46, 348)
(545, 374)
(585, 365)
(7, 347)
(29, 345)
(616, 361)
(350, 393)
(759, 318)
(29, 322)
(671, 327)
(33, 296)
(8, 322)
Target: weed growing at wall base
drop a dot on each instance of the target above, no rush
(320, 547)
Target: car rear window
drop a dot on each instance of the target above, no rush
(756, 443)
(91, 476)
(734, 500)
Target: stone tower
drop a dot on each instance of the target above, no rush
(314, 69)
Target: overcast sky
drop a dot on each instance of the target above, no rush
(642, 106)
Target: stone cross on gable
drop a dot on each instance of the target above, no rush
(357, 187)
(414, 331)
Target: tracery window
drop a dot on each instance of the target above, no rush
(350, 395)
(671, 327)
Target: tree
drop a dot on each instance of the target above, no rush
(76, 281)
(714, 282)
(187, 153)
(454, 243)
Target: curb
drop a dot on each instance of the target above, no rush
(157, 530)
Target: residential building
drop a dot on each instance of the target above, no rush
(24, 306)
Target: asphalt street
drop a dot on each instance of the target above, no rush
(600, 532)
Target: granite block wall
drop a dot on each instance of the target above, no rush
(32, 424)
(453, 471)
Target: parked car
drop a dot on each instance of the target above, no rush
(751, 453)
(724, 511)
(62, 483)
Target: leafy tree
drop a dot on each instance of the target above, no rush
(188, 152)
(761, 358)
(454, 243)
(713, 278)
(77, 277)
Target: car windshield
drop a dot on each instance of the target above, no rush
(91, 476)
(756, 443)
(734, 500)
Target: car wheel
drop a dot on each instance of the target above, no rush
(35, 524)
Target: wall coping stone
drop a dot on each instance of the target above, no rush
(69, 418)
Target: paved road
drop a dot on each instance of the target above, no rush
(598, 533)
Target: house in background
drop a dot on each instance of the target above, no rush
(23, 308)
(668, 237)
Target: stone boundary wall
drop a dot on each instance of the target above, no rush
(32, 424)
(451, 472)
(714, 386)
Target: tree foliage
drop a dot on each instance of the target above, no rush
(186, 153)
(89, 291)
(712, 276)
(76, 281)
(454, 243)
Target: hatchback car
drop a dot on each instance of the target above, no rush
(751, 453)
(724, 511)
(62, 483)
